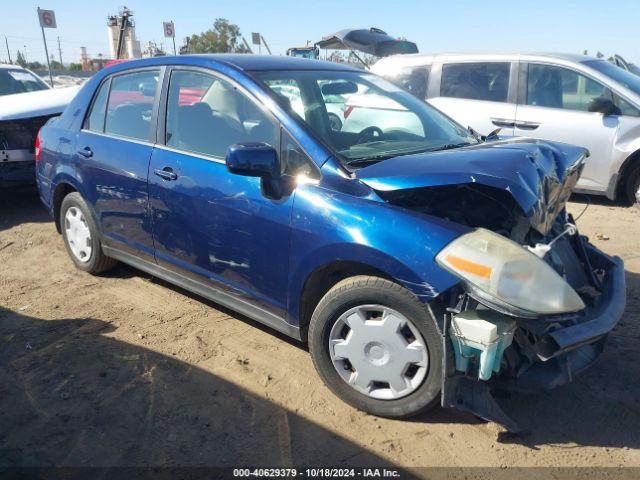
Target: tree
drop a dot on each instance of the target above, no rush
(55, 65)
(35, 66)
(223, 38)
(75, 67)
(20, 60)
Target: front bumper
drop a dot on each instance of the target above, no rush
(566, 352)
(565, 349)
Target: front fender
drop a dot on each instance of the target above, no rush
(329, 226)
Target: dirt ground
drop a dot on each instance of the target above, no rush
(125, 369)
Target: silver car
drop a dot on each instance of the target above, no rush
(568, 98)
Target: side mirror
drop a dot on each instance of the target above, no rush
(603, 105)
(253, 159)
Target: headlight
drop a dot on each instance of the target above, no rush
(506, 275)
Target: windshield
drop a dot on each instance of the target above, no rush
(362, 117)
(627, 79)
(19, 81)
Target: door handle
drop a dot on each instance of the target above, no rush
(527, 125)
(86, 152)
(166, 173)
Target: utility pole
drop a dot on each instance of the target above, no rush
(6, 42)
(60, 53)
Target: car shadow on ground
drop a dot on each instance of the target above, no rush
(72, 396)
(599, 409)
(21, 205)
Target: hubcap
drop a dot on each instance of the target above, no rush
(78, 234)
(378, 352)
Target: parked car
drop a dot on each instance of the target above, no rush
(26, 103)
(417, 265)
(567, 98)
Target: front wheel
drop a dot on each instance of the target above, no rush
(632, 186)
(377, 347)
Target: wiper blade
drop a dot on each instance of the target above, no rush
(450, 146)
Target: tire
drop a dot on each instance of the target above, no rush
(94, 260)
(632, 186)
(350, 294)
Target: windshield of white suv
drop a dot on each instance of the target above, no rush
(627, 79)
(364, 118)
(14, 80)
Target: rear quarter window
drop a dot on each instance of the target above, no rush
(95, 119)
(476, 81)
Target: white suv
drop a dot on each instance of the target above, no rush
(568, 98)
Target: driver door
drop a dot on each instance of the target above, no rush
(210, 225)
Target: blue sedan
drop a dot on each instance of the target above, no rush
(422, 263)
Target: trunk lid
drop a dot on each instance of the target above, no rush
(538, 175)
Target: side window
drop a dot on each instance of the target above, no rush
(476, 81)
(95, 120)
(558, 87)
(412, 79)
(293, 160)
(130, 104)
(206, 114)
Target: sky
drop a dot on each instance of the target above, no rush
(443, 26)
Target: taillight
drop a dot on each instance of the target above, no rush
(347, 111)
(38, 146)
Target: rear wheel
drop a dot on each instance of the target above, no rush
(80, 236)
(377, 347)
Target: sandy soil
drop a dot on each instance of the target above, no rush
(125, 369)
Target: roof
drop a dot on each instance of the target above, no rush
(8, 66)
(244, 61)
(418, 58)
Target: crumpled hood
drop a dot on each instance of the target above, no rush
(35, 104)
(539, 175)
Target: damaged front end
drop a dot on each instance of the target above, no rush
(529, 353)
(536, 301)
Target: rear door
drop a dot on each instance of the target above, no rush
(481, 95)
(554, 102)
(113, 151)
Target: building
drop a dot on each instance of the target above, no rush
(91, 64)
(123, 24)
